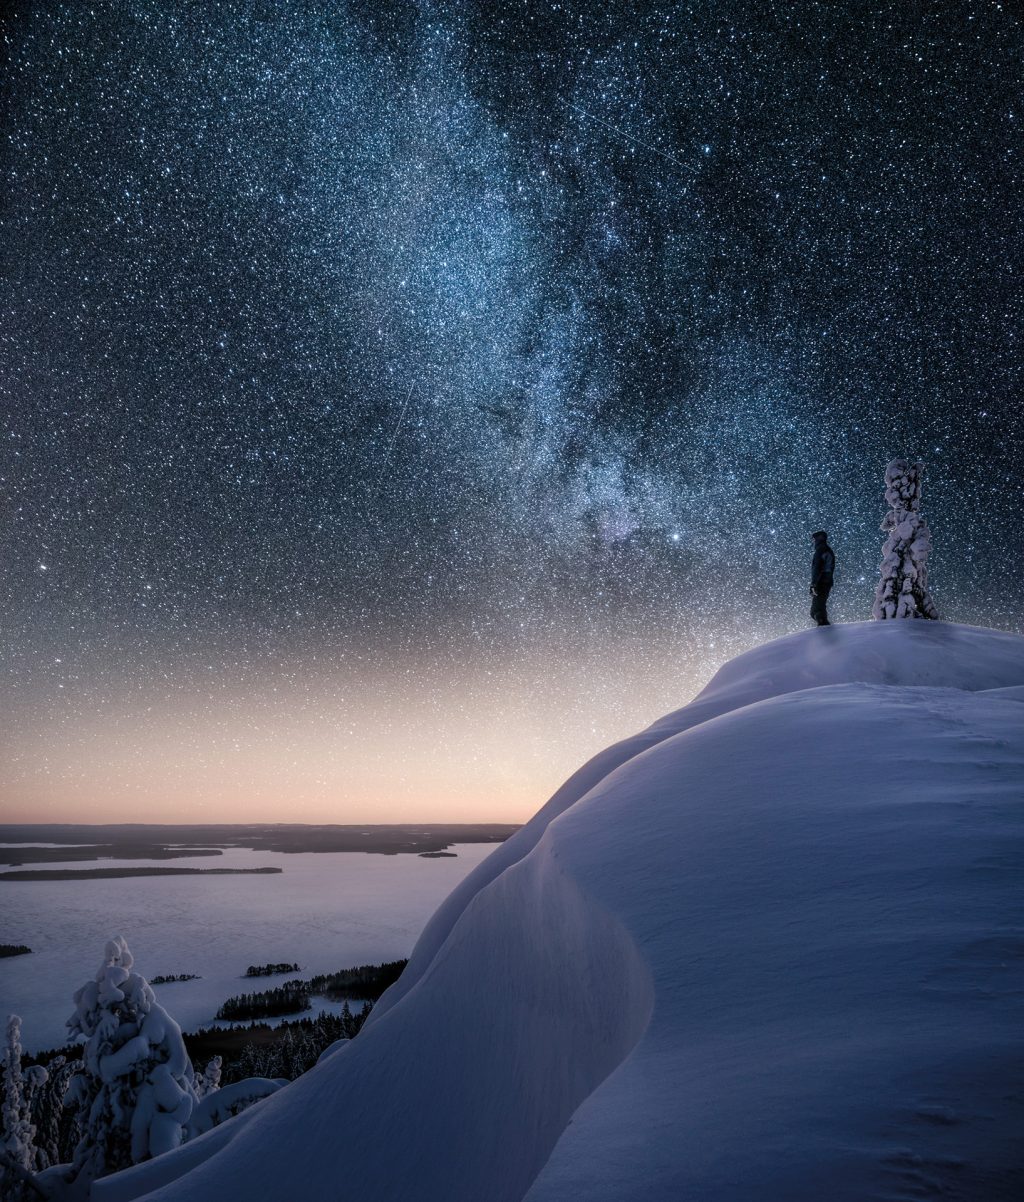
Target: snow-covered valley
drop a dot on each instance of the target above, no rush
(770, 948)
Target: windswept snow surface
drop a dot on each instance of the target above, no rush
(770, 948)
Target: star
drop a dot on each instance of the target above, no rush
(471, 383)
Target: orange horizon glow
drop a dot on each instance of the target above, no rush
(424, 745)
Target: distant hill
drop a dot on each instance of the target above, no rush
(140, 841)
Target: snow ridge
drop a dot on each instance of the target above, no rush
(769, 947)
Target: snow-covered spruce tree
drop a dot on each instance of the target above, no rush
(209, 1082)
(18, 1153)
(902, 590)
(57, 1129)
(136, 1090)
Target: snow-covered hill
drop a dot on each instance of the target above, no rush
(770, 948)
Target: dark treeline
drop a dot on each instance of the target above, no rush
(269, 970)
(169, 978)
(289, 998)
(14, 949)
(365, 982)
(287, 1050)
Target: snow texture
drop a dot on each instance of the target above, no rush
(223, 1103)
(332, 1048)
(769, 948)
(902, 590)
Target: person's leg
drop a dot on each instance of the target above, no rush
(822, 600)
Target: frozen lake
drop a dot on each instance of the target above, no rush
(325, 911)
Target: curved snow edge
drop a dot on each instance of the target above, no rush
(543, 1022)
(887, 653)
(151, 1174)
(582, 999)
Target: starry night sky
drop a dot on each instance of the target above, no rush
(401, 401)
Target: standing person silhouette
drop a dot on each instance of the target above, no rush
(823, 567)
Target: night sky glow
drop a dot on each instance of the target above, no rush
(402, 401)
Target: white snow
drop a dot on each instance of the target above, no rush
(770, 948)
(136, 1089)
(219, 1104)
(17, 1132)
(902, 590)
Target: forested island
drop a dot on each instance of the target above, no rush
(364, 983)
(101, 851)
(87, 874)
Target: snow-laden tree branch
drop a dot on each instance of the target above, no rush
(18, 1152)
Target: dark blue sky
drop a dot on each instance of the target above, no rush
(411, 353)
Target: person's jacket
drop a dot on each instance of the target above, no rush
(823, 565)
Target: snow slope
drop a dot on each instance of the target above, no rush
(770, 948)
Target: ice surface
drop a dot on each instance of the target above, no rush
(769, 949)
(325, 911)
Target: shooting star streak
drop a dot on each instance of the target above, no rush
(394, 434)
(627, 136)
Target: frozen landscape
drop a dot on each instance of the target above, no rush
(769, 948)
(324, 911)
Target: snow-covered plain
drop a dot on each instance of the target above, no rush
(771, 948)
(324, 911)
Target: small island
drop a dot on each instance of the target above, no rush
(95, 874)
(14, 949)
(18, 856)
(270, 970)
(170, 978)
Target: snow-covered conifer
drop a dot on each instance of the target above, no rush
(56, 1131)
(209, 1081)
(18, 1139)
(902, 590)
(136, 1091)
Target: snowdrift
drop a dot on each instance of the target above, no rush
(769, 948)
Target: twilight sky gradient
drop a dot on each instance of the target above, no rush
(402, 401)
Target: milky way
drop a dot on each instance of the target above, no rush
(400, 401)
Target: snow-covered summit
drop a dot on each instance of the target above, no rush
(770, 947)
